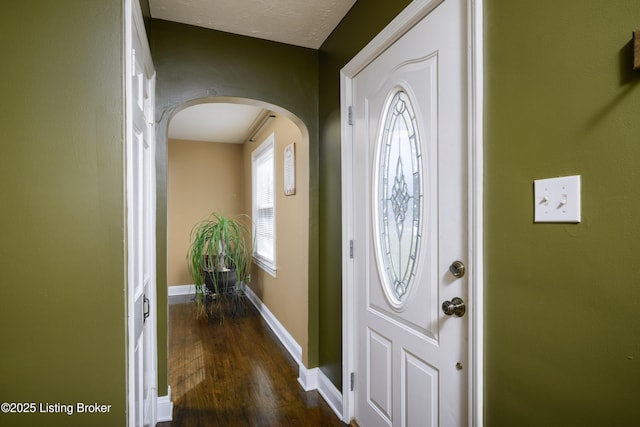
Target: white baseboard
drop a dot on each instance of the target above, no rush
(181, 290)
(165, 407)
(283, 335)
(309, 379)
(330, 393)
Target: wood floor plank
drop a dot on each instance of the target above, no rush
(236, 373)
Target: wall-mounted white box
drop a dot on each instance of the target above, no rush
(557, 199)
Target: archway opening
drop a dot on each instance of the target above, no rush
(210, 142)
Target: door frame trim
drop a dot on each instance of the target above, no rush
(133, 27)
(410, 16)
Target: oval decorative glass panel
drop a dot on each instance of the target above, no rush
(399, 200)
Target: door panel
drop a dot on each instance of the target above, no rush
(140, 145)
(409, 178)
(379, 374)
(420, 380)
(418, 310)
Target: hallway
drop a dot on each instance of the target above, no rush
(235, 374)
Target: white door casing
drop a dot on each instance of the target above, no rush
(140, 222)
(413, 365)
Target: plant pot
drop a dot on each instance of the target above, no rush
(225, 280)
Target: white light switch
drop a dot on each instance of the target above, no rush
(557, 199)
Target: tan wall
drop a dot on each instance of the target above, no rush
(286, 296)
(196, 171)
(203, 177)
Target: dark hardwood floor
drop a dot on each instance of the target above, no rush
(235, 374)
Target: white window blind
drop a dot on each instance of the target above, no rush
(263, 172)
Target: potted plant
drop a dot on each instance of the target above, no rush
(220, 258)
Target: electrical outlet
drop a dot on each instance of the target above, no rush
(557, 199)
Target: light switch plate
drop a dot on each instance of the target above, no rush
(557, 199)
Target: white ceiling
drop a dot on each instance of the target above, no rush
(305, 23)
(216, 122)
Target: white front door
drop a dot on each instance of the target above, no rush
(410, 226)
(141, 283)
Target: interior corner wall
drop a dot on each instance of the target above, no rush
(363, 22)
(562, 336)
(62, 298)
(197, 63)
(202, 178)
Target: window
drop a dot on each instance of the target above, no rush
(400, 198)
(264, 212)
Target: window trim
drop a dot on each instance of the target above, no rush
(268, 145)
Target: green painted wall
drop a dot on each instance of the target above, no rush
(363, 22)
(62, 311)
(195, 63)
(562, 324)
(562, 338)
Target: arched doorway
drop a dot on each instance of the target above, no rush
(208, 173)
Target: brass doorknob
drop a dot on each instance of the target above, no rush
(457, 269)
(455, 307)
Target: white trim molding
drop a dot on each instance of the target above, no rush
(181, 290)
(410, 16)
(309, 379)
(475, 55)
(315, 379)
(165, 407)
(330, 393)
(141, 396)
(294, 349)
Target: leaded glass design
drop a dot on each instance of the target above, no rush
(399, 198)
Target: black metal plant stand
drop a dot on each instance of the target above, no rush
(227, 287)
